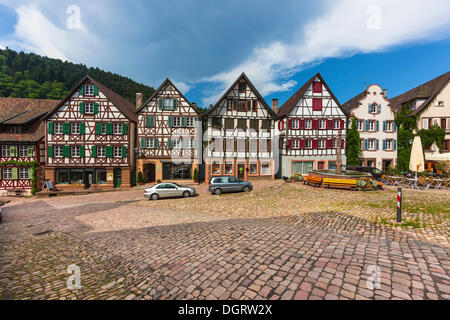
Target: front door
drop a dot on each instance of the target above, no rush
(117, 177)
(241, 170)
(88, 179)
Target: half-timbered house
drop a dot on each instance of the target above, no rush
(169, 136)
(240, 134)
(22, 146)
(90, 138)
(309, 124)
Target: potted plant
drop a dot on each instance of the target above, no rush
(140, 179)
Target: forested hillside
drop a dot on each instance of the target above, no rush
(27, 75)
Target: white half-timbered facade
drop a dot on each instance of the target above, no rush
(169, 136)
(240, 134)
(90, 139)
(376, 126)
(308, 127)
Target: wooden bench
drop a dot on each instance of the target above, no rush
(348, 183)
(314, 181)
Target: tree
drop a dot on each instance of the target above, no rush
(353, 145)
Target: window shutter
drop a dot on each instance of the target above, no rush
(384, 144)
(30, 173)
(175, 104)
(378, 144)
(170, 122)
(290, 124)
(384, 126)
(366, 144)
(160, 104)
(95, 91)
(302, 144)
(98, 128)
(50, 127)
(369, 108)
(329, 124)
(109, 128)
(317, 104)
(301, 124)
(315, 124)
(379, 108)
(81, 91)
(366, 125)
(395, 127)
(343, 144)
(50, 151)
(82, 107)
(82, 128)
(156, 143)
(395, 145)
(124, 151)
(66, 151)
(29, 151)
(96, 108)
(82, 153)
(124, 128)
(108, 151)
(315, 143)
(94, 152)
(183, 121)
(149, 121)
(13, 151)
(342, 125)
(289, 144)
(169, 144)
(66, 128)
(15, 175)
(378, 125)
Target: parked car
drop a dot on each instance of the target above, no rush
(168, 190)
(376, 173)
(218, 185)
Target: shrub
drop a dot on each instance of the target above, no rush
(158, 181)
(140, 178)
(195, 177)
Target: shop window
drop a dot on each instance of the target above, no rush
(253, 168)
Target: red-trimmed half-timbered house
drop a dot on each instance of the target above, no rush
(90, 138)
(240, 134)
(169, 136)
(308, 126)
(22, 133)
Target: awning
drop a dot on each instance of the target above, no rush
(437, 156)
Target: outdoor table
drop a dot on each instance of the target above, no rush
(397, 180)
(412, 182)
(439, 183)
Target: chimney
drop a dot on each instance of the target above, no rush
(275, 105)
(385, 93)
(139, 100)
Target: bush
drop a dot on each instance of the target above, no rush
(140, 178)
(195, 177)
(158, 181)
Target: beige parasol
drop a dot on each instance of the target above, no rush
(417, 162)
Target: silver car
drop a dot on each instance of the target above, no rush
(168, 190)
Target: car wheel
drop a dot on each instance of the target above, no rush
(154, 197)
(217, 191)
(246, 189)
(186, 194)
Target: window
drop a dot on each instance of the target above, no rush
(336, 124)
(6, 151)
(7, 173)
(229, 104)
(89, 108)
(176, 121)
(58, 151)
(188, 143)
(75, 128)
(371, 126)
(253, 168)
(389, 126)
(216, 123)
(76, 176)
(317, 87)
(322, 144)
(117, 128)
(322, 124)
(370, 144)
(444, 123)
(172, 171)
(117, 152)
(254, 124)
(75, 151)
(308, 144)
(100, 176)
(177, 143)
(215, 168)
(229, 124)
(302, 167)
(241, 106)
(190, 122)
(254, 105)
(331, 165)
(317, 104)
(228, 168)
(308, 124)
(360, 125)
(389, 145)
(62, 176)
(23, 151)
(101, 151)
(295, 124)
(168, 104)
(102, 127)
(58, 128)
(89, 90)
(265, 168)
(242, 124)
(266, 124)
(373, 108)
(295, 144)
(242, 87)
(16, 129)
(23, 173)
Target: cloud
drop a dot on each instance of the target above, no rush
(182, 86)
(346, 28)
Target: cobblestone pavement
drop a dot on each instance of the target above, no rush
(128, 248)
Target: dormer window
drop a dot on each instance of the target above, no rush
(16, 130)
(89, 90)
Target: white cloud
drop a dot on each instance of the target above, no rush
(182, 86)
(346, 28)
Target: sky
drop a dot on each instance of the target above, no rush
(203, 45)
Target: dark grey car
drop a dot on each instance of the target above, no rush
(218, 185)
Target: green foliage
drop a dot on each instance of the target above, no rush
(27, 75)
(433, 135)
(406, 123)
(195, 177)
(353, 144)
(140, 177)
(28, 164)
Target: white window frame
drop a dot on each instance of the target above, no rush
(176, 122)
(6, 151)
(389, 126)
(336, 124)
(58, 151)
(322, 144)
(177, 143)
(389, 144)
(371, 126)
(149, 143)
(322, 124)
(371, 144)
(101, 151)
(295, 144)
(373, 108)
(23, 151)
(188, 143)
(308, 124)
(263, 170)
(23, 173)
(167, 104)
(190, 122)
(308, 144)
(425, 124)
(75, 151)
(75, 128)
(117, 128)
(295, 124)
(89, 108)
(360, 125)
(89, 90)
(58, 128)
(7, 173)
(117, 152)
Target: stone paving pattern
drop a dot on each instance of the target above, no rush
(129, 248)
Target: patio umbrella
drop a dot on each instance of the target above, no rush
(417, 162)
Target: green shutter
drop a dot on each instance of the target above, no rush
(81, 92)
(124, 151)
(143, 144)
(13, 151)
(30, 173)
(66, 151)
(50, 127)
(109, 128)
(170, 121)
(29, 151)
(66, 128)
(15, 175)
(82, 107)
(82, 153)
(95, 91)
(109, 152)
(156, 143)
(124, 128)
(183, 122)
(98, 128)
(169, 144)
(95, 108)
(93, 151)
(50, 151)
(82, 128)
(149, 121)
(160, 103)
(175, 104)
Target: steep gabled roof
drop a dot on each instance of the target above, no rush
(426, 91)
(161, 87)
(126, 107)
(255, 91)
(292, 102)
(22, 111)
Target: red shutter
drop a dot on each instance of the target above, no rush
(255, 104)
(317, 104)
(279, 125)
(315, 124)
(329, 124)
(289, 123)
(317, 87)
(302, 124)
(342, 127)
(342, 145)
(315, 143)
(302, 144)
(289, 144)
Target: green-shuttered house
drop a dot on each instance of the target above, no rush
(90, 138)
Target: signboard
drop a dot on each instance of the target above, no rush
(109, 177)
(49, 185)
